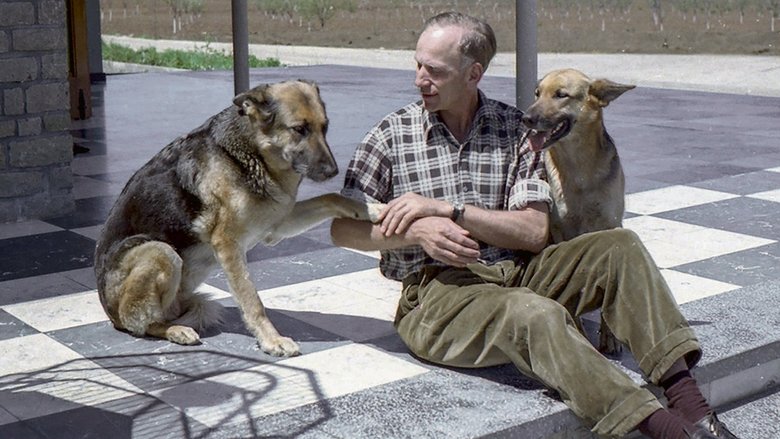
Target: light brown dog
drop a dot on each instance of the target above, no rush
(583, 167)
(207, 198)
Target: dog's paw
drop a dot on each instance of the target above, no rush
(608, 344)
(374, 209)
(280, 347)
(272, 239)
(182, 335)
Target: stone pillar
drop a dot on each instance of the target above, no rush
(36, 147)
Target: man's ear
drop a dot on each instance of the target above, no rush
(476, 70)
(257, 104)
(606, 91)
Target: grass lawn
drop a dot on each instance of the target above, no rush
(202, 59)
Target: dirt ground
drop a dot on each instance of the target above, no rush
(563, 26)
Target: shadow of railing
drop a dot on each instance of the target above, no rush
(53, 400)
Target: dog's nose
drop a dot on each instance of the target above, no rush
(529, 120)
(330, 170)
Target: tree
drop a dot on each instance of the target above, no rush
(658, 16)
(181, 7)
(774, 12)
(323, 10)
(284, 8)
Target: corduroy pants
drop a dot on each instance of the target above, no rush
(523, 313)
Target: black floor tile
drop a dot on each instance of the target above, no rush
(742, 268)
(271, 273)
(289, 247)
(11, 327)
(114, 177)
(83, 423)
(21, 430)
(88, 148)
(695, 174)
(743, 184)
(745, 215)
(45, 286)
(152, 364)
(46, 253)
(89, 133)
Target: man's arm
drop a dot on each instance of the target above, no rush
(446, 241)
(523, 229)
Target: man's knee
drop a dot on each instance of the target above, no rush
(620, 236)
(623, 242)
(530, 310)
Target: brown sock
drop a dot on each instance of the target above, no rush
(662, 424)
(684, 397)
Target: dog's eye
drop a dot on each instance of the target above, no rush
(536, 93)
(302, 130)
(560, 94)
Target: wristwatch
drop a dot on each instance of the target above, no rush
(457, 211)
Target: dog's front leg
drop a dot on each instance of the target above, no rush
(309, 213)
(233, 260)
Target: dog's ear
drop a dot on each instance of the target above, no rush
(257, 104)
(606, 91)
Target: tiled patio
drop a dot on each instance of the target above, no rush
(703, 176)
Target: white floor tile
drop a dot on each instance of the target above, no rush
(651, 228)
(26, 228)
(687, 287)
(287, 384)
(371, 254)
(369, 282)
(768, 195)
(671, 198)
(39, 376)
(91, 232)
(672, 243)
(213, 292)
(60, 312)
(317, 295)
(335, 308)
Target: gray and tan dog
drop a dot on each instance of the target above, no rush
(207, 198)
(583, 168)
(566, 121)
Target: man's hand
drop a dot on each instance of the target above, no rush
(402, 211)
(445, 241)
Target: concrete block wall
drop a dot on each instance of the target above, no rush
(36, 148)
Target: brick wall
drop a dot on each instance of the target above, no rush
(36, 148)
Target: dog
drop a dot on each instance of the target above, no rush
(207, 198)
(583, 167)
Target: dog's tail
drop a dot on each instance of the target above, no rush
(200, 312)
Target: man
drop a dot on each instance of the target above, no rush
(465, 229)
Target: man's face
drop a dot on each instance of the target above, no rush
(441, 76)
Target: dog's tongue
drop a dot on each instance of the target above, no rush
(537, 139)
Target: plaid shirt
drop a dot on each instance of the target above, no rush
(411, 150)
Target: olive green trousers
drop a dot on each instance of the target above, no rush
(523, 313)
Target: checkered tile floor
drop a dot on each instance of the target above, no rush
(703, 199)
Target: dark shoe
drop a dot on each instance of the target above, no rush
(717, 429)
(700, 433)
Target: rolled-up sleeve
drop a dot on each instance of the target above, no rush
(528, 183)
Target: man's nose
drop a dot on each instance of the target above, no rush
(420, 77)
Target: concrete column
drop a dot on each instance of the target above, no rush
(240, 47)
(526, 52)
(94, 41)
